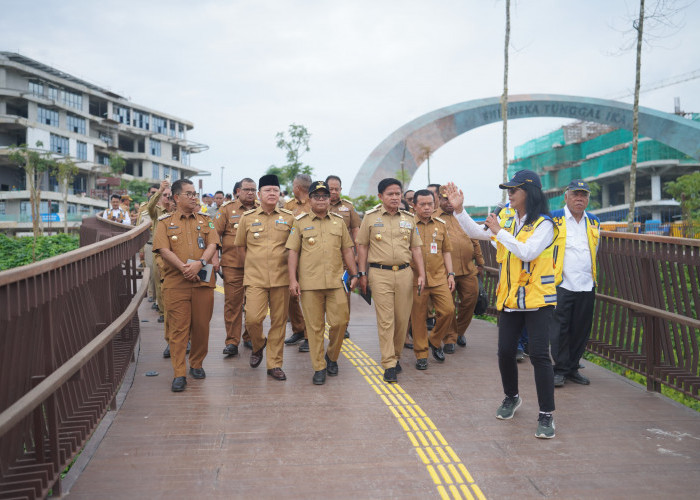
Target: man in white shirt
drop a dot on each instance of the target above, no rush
(116, 213)
(575, 266)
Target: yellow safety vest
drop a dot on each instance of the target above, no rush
(593, 235)
(525, 285)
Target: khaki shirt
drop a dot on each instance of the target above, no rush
(264, 237)
(346, 210)
(226, 222)
(319, 242)
(389, 237)
(436, 241)
(464, 249)
(298, 207)
(151, 211)
(179, 232)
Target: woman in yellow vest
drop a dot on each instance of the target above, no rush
(526, 293)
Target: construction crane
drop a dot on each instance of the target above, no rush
(666, 82)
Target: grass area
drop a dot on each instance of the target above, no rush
(15, 252)
(642, 380)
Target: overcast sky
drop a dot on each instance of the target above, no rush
(351, 72)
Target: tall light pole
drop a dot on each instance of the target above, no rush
(222, 178)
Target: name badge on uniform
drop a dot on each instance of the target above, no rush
(509, 223)
(200, 243)
(256, 224)
(343, 208)
(433, 247)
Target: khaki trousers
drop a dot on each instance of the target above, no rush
(441, 299)
(234, 295)
(320, 306)
(296, 316)
(393, 295)
(257, 300)
(189, 310)
(467, 288)
(148, 257)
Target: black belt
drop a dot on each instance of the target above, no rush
(149, 243)
(389, 268)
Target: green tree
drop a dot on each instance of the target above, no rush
(364, 202)
(117, 164)
(294, 142)
(35, 163)
(65, 171)
(404, 177)
(686, 190)
(137, 189)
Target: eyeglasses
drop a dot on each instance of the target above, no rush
(319, 197)
(512, 191)
(248, 190)
(190, 194)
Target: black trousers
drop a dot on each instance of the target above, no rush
(510, 325)
(571, 329)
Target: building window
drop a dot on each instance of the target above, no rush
(81, 153)
(173, 128)
(36, 88)
(72, 99)
(53, 93)
(175, 174)
(156, 171)
(103, 159)
(155, 147)
(181, 130)
(76, 124)
(121, 115)
(47, 116)
(141, 120)
(166, 171)
(185, 157)
(59, 144)
(160, 125)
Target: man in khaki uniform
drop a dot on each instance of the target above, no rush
(187, 241)
(439, 284)
(465, 252)
(298, 205)
(318, 245)
(262, 235)
(346, 210)
(386, 243)
(226, 222)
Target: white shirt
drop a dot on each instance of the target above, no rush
(114, 212)
(577, 273)
(541, 238)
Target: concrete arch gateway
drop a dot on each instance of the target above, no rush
(434, 129)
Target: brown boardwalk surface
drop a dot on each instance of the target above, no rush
(241, 434)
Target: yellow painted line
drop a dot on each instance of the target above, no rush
(449, 474)
(219, 289)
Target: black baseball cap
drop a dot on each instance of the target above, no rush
(578, 185)
(520, 178)
(319, 186)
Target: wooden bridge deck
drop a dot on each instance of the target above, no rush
(241, 434)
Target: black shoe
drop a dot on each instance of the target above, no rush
(390, 375)
(231, 350)
(398, 368)
(189, 346)
(295, 338)
(438, 353)
(422, 364)
(166, 353)
(277, 374)
(462, 340)
(577, 378)
(449, 349)
(304, 346)
(408, 345)
(248, 344)
(347, 335)
(154, 306)
(161, 319)
(430, 323)
(559, 380)
(179, 384)
(319, 377)
(198, 373)
(331, 367)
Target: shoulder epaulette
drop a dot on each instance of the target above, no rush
(348, 202)
(372, 210)
(164, 216)
(300, 215)
(203, 213)
(440, 220)
(286, 211)
(249, 211)
(333, 213)
(407, 213)
(226, 203)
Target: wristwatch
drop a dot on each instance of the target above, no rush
(451, 274)
(204, 262)
(361, 274)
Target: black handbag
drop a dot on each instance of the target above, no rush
(482, 301)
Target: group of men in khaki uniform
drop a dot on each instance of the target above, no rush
(295, 262)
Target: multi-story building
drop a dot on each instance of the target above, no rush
(74, 118)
